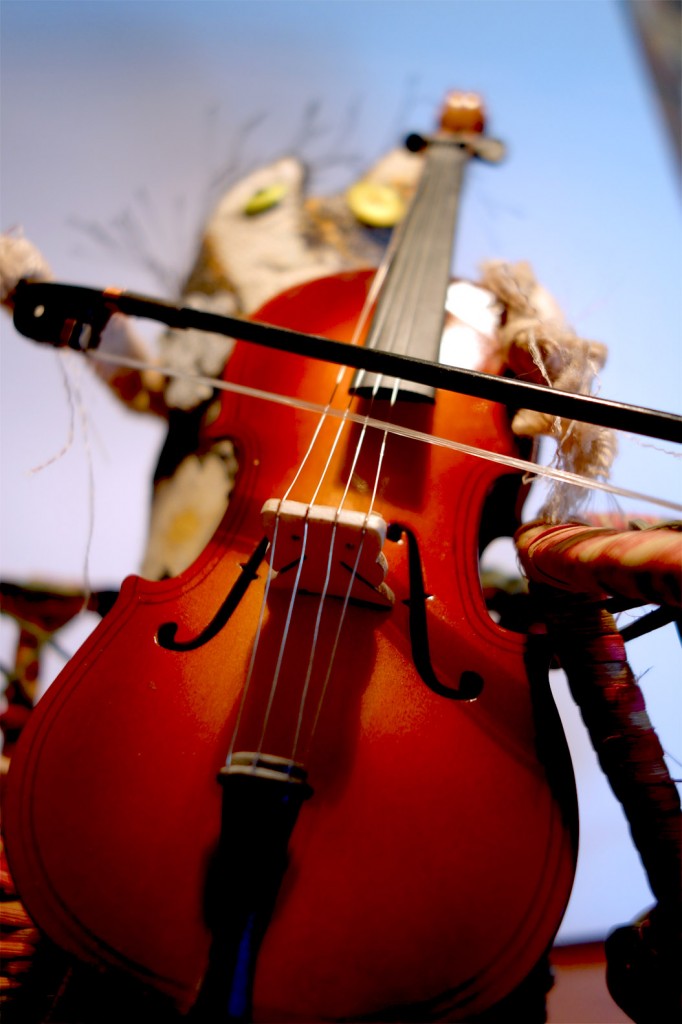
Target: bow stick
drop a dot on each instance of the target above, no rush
(74, 316)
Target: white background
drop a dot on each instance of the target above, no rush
(116, 114)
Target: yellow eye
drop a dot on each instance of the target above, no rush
(265, 198)
(378, 206)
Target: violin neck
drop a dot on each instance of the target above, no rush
(410, 310)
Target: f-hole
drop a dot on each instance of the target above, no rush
(167, 631)
(470, 682)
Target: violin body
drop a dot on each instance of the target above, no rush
(433, 862)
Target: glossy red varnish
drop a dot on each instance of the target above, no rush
(434, 860)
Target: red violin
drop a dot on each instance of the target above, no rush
(310, 778)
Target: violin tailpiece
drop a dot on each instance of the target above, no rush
(261, 799)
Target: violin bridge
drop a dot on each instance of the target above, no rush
(341, 550)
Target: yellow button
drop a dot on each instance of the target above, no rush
(378, 206)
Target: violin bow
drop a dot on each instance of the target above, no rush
(73, 316)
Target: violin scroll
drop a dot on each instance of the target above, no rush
(463, 122)
(463, 112)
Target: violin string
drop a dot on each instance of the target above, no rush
(256, 643)
(292, 602)
(323, 595)
(406, 284)
(322, 417)
(314, 644)
(406, 280)
(389, 341)
(415, 274)
(419, 269)
(335, 646)
(342, 617)
(409, 278)
(357, 334)
(285, 635)
(324, 590)
(358, 331)
(414, 278)
(380, 322)
(346, 417)
(323, 414)
(532, 468)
